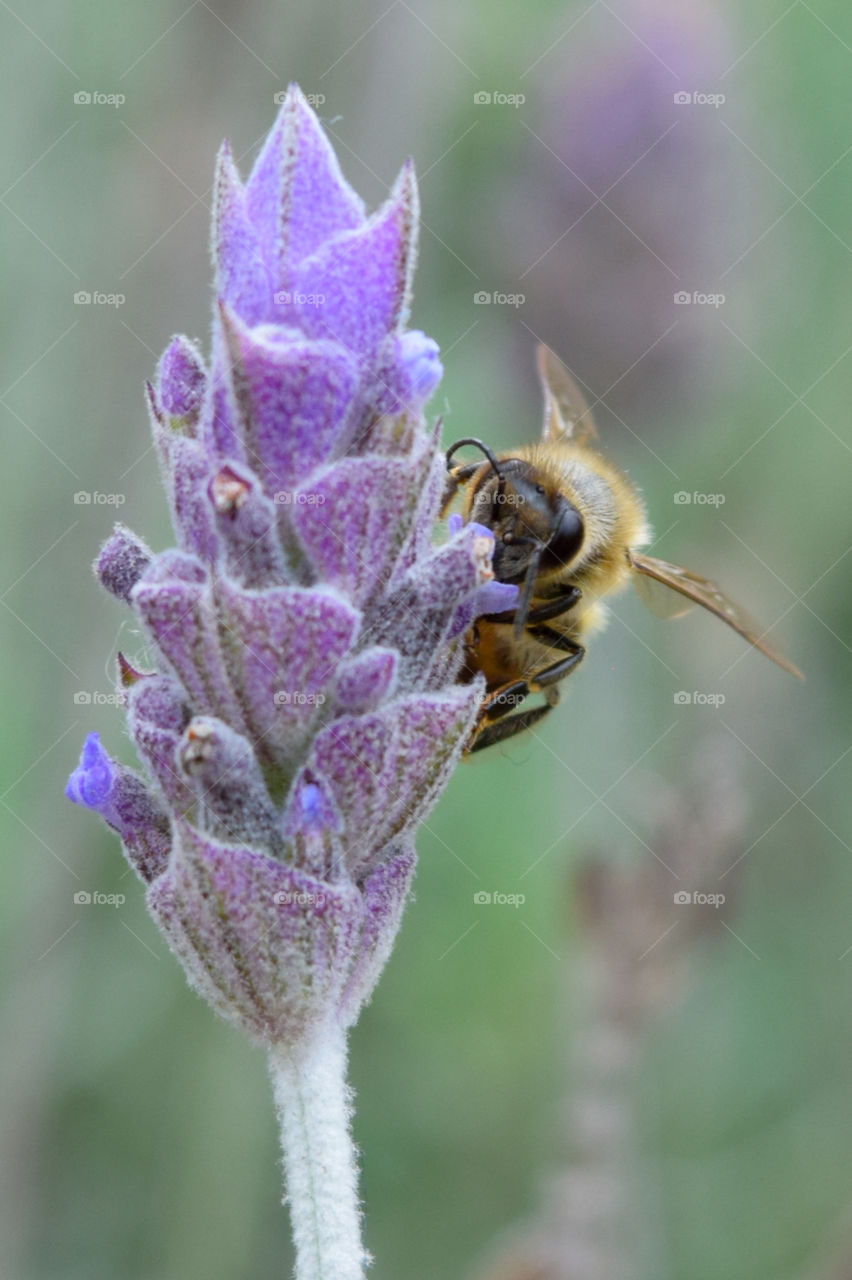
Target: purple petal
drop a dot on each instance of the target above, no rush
(294, 400)
(189, 473)
(313, 827)
(233, 802)
(247, 525)
(290, 641)
(242, 277)
(419, 617)
(92, 781)
(352, 521)
(409, 371)
(157, 716)
(385, 770)
(363, 277)
(121, 562)
(386, 891)
(297, 195)
(495, 597)
(363, 683)
(270, 947)
(174, 601)
(122, 800)
(181, 377)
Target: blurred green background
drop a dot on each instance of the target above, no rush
(137, 1131)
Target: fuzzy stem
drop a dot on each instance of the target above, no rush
(320, 1171)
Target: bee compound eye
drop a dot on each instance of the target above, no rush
(567, 538)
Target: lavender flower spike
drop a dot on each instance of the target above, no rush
(298, 714)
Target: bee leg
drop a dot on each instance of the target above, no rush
(554, 608)
(557, 671)
(493, 729)
(490, 734)
(503, 700)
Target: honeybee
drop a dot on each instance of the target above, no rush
(568, 526)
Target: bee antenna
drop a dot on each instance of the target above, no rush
(477, 444)
(523, 608)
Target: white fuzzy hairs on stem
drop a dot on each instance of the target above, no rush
(320, 1169)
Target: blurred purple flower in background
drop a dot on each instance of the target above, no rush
(625, 196)
(302, 716)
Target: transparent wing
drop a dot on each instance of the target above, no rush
(566, 414)
(670, 591)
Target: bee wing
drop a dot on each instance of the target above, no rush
(566, 414)
(669, 591)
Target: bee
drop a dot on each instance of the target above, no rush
(569, 527)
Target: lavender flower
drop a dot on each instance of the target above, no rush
(302, 715)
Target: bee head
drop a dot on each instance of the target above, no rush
(536, 528)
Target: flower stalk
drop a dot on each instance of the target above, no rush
(314, 1109)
